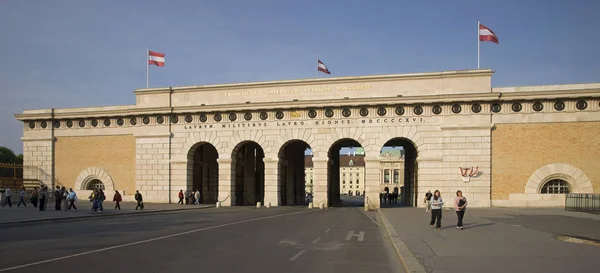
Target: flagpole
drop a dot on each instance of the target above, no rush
(147, 70)
(478, 26)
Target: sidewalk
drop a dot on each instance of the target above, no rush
(499, 240)
(14, 215)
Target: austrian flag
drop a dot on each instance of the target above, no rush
(486, 34)
(156, 58)
(321, 67)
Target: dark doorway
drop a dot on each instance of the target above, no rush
(248, 171)
(409, 186)
(345, 173)
(295, 188)
(205, 173)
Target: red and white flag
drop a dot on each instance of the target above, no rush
(487, 35)
(156, 58)
(321, 67)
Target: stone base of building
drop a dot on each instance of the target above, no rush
(531, 200)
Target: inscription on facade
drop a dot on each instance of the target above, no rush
(246, 93)
(307, 123)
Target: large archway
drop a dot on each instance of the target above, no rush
(400, 171)
(346, 173)
(203, 172)
(248, 173)
(295, 181)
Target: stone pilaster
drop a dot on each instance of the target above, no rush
(320, 181)
(272, 183)
(372, 179)
(226, 186)
(37, 152)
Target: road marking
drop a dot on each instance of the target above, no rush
(297, 255)
(360, 235)
(316, 240)
(152, 240)
(328, 230)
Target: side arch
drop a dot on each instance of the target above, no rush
(241, 137)
(408, 132)
(92, 173)
(354, 133)
(287, 136)
(577, 179)
(195, 139)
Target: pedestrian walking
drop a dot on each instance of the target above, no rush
(436, 210)
(100, 197)
(460, 204)
(197, 195)
(140, 200)
(180, 195)
(92, 198)
(22, 194)
(427, 201)
(34, 197)
(117, 198)
(57, 198)
(71, 198)
(7, 196)
(43, 197)
(64, 193)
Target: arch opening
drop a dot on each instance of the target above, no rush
(295, 173)
(248, 174)
(94, 184)
(203, 174)
(346, 173)
(399, 169)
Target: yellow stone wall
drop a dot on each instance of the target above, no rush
(114, 154)
(518, 150)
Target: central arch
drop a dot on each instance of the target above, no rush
(248, 173)
(403, 179)
(346, 173)
(203, 172)
(294, 184)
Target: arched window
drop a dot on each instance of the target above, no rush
(556, 186)
(95, 184)
(386, 176)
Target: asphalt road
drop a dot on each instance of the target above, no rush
(238, 239)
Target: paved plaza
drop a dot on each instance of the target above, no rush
(228, 239)
(500, 240)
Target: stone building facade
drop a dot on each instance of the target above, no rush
(392, 174)
(243, 143)
(352, 174)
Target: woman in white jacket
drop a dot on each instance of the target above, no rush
(436, 210)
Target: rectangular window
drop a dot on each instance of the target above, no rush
(396, 174)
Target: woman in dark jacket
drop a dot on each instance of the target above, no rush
(118, 198)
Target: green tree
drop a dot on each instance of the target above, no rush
(7, 155)
(19, 159)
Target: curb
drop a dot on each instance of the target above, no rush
(411, 264)
(86, 217)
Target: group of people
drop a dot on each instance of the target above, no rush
(65, 199)
(38, 196)
(434, 203)
(192, 197)
(388, 197)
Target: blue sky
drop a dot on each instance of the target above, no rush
(92, 53)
